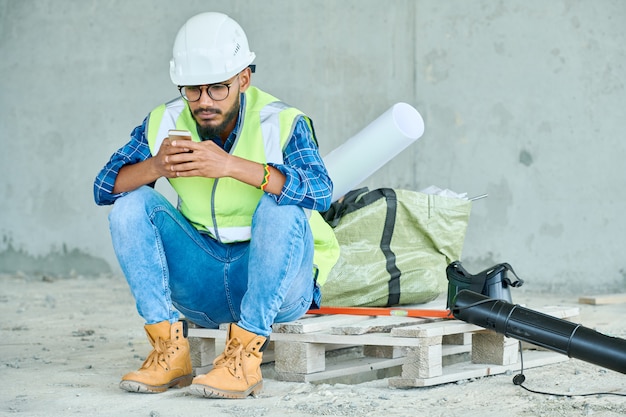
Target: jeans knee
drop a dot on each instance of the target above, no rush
(131, 205)
(268, 209)
(274, 223)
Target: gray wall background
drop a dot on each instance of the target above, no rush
(523, 100)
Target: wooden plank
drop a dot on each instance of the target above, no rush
(438, 328)
(603, 299)
(206, 333)
(375, 339)
(342, 369)
(381, 324)
(310, 323)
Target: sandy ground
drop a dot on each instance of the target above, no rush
(66, 342)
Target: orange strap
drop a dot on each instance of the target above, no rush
(383, 311)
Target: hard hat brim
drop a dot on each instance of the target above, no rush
(207, 78)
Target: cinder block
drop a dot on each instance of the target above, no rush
(424, 361)
(299, 357)
(490, 347)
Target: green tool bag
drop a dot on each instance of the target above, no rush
(395, 246)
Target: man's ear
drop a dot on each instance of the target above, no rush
(244, 79)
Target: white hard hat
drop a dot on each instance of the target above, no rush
(209, 48)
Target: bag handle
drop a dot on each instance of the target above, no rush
(353, 201)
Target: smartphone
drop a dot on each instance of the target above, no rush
(179, 134)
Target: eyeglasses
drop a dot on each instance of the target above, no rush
(217, 92)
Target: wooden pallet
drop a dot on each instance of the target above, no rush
(423, 350)
(299, 348)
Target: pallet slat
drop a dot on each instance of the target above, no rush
(310, 324)
(348, 367)
(381, 324)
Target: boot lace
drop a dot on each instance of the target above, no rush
(231, 358)
(159, 355)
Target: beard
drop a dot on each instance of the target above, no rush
(229, 116)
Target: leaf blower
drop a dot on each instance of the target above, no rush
(500, 315)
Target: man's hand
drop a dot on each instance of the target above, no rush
(196, 159)
(164, 161)
(133, 176)
(207, 159)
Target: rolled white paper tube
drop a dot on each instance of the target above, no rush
(364, 153)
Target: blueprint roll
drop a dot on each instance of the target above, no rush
(366, 152)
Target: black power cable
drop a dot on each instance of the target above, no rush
(520, 378)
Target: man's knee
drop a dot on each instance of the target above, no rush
(269, 209)
(273, 221)
(133, 204)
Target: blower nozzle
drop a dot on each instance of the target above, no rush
(562, 336)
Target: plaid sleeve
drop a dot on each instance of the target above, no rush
(308, 184)
(136, 150)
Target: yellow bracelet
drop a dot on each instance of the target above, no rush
(266, 177)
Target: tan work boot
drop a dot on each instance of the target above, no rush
(236, 373)
(167, 366)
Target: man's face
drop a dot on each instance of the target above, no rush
(217, 118)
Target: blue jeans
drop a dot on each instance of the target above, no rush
(171, 267)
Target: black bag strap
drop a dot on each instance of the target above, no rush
(385, 246)
(349, 203)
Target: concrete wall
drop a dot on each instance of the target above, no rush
(523, 100)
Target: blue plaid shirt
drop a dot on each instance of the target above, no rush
(307, 182)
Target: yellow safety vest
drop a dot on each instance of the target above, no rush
(208, 203)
